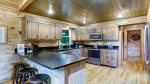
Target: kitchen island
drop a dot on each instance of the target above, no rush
(62, 68)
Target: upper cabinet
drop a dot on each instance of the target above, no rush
(85, 34)
(34, 29)
(73, 34)
(51, 31)
(78, 35)
(58, 32)
(111, 33)
(108, 32)
(42, 31)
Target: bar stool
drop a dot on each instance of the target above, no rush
(39, 79)
(26, 72)
(17, 70)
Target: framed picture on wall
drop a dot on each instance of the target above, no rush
(3, 34)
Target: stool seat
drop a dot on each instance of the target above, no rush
(39, 79)
(27, 70)
(21, 65)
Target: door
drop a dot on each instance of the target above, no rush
(133, 43)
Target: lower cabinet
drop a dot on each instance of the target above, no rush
(109, 57)
(85, 52)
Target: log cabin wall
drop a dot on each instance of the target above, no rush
(12, 20)
(9, 19)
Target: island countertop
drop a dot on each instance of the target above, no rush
(52, 60)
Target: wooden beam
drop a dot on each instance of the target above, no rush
(23, 4)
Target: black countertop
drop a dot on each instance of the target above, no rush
(52, 60)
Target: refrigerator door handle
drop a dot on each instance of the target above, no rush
(145, 44)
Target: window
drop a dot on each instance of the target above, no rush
(3, 34)
(65, 37)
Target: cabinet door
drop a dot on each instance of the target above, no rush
(73, 34)
(93, 30)
(100, 30)
(43, 31)
(51, 32)
(113, 58)
(105, 33)
(58, 32)
(102, 56)
(115, 33)
(85, 35)
(32, 29)
(77, 31)
(111, 33)
(85, 52)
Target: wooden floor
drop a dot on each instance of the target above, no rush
(129, 73)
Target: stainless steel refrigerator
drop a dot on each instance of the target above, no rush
(147, 44)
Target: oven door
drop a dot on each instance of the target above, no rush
(94, 53)
(94, 56)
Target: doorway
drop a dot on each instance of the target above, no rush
(133, 42)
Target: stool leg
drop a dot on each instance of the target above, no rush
(17, 72)
(46, 82)
(23, 78)
(14, 76)
(20, 79)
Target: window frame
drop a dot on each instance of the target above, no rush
(5, 34)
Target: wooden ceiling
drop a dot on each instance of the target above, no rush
(10, 3)
(93, 10)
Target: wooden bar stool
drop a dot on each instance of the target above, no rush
(17, 71)
(25, 73)
(40, 79)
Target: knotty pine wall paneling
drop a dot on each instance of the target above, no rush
(7, 56)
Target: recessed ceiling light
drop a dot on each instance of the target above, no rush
(120, 15)
(84, 20)
(50, 11)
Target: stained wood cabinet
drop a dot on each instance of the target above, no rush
(58, 32)
(85, 34)
(108, 32)
(51, 31)
(73, 34)
(42, 31)
(111, 33)
(34, 29)
(85, 52)
(77, 31)
(109, 57)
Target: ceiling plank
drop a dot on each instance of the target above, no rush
(23, 4)
(94, 10)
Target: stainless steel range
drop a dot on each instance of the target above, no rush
(94, 56)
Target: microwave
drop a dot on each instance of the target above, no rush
(96, 36)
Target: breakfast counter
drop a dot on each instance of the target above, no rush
(62, 68)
